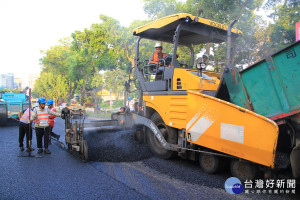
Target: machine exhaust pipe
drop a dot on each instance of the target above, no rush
(228, 55)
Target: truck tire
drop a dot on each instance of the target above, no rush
(243, 170)
(169, 133)
(3, 115)
(295, 162)
(210, 163)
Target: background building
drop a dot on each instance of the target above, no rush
(10, 80)
(2, 81)
(7, 80)
(18, 82)
(32, 80)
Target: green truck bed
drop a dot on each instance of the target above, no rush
(270, 87)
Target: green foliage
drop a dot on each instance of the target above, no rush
(104, 105)
(282, 32)
(51, 86)
(115, 80)
(118, 103)
(259, 39)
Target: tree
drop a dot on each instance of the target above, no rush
(285, 15)
(55, 61)
(115, 80)
(51, 86)
(220, 11)
(92, 52)
(95, 86)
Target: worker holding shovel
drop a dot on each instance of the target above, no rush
(25, 128)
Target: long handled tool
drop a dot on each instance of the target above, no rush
(61, 144)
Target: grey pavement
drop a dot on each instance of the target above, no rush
(55, 176)
(62, 176)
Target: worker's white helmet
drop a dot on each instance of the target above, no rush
(158, 44)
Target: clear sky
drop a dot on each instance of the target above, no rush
(28, 26)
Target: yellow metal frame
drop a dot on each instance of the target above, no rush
(189, 81)
(172, 18)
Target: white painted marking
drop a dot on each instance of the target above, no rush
(199, 128)
(152, 97)
(232, 132)
(189, 124)
(170, 123)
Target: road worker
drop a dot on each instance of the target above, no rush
(24, 91)
(51, 121)
(158, 54)
(40, 115)
(24, 128)
(202, 60)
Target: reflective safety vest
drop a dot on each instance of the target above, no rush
(156, 58)
(25, 117)
(52, 117)
(42, 118)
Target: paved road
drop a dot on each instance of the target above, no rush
(122, 169)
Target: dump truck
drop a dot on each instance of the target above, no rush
(213, 118)
(10, 106)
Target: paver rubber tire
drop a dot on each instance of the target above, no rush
(85, 150)
(169, 133)
(210, 163)
(243, 170)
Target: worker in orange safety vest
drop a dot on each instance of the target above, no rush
(40, 116)
(158, 54)
(24, 128)
(52, 121)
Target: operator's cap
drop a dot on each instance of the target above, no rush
(205, 55)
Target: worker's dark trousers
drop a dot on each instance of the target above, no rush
(24, 129)
(40, 132)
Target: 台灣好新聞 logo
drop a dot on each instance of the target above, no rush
(233, 186)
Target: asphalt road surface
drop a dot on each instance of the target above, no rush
(119, 168)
